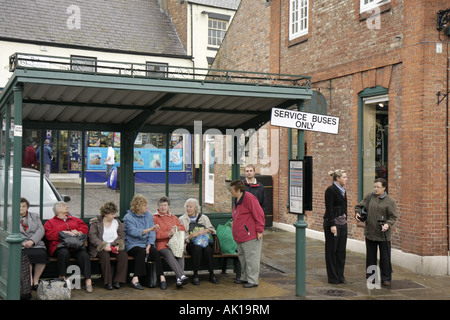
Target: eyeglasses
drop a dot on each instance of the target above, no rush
(376, 187)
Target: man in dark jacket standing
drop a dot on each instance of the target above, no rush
(255, 187)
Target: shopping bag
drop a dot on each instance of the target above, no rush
(225, 235)
(176, 243)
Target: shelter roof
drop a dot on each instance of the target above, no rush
(127, 96)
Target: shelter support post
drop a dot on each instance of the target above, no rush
(126, 169)
(15, 239)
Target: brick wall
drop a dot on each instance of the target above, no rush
(344, 50)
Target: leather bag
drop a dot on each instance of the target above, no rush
(53, 289)
(72, 242)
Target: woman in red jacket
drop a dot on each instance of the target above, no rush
(168, 224)
(248, 227)
(63, 221)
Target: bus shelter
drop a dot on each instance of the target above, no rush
(122, 97)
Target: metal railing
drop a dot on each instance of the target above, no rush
(152, 70)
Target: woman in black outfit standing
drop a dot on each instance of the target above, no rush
(335, 226)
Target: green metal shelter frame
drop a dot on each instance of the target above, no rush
(44, 92)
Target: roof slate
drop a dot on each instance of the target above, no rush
(129, 25)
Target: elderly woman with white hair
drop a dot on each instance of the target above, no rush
(199, 228)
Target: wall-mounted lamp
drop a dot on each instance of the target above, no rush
(443, 19)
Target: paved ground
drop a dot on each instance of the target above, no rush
(277, 278)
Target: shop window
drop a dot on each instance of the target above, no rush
(374, 138)
(298, 18)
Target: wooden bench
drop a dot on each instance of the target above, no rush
(221, 262)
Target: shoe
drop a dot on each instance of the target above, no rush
(250, 285)
(195, 281)
(89, 288)
(35, 287)
(108, 286)
(184, 279)
(116, 285)
(179, 284)
(136, 285)
(163, 285)
(386, 283)
(239, 281)
(214, 279)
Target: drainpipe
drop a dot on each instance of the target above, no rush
(448, 231)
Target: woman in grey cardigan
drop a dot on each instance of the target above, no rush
(381, 217)
(33, 232)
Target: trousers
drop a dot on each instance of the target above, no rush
(249, 254)
(197, 252)
(335, 252)
(83, 260)
(176, 264)
(385, 258)
(121, 268)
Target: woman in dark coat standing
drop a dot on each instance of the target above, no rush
(335, 226)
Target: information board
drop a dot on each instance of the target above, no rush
(296, 186)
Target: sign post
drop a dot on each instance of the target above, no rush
(300, 189)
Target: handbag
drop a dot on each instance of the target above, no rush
(176, 243)
(226, 239)
(151, 272)
(53, 289)
(363, 214)
(216, 245)
(72, 242)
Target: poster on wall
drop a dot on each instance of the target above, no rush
(143, 159)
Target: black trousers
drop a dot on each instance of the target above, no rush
(140, 265)
(197, 252)
(385, 258)
(83, 260)
(335, 252)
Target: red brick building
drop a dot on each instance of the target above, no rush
(380, 66)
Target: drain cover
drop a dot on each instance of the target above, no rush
(404, 284)
(336, 293)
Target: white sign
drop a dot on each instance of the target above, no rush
(17, 131)
(304, 121)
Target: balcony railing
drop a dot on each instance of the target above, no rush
(148, 70)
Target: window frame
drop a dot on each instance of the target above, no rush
(162, 73)
(83, 63)
(302, 5)
(210, 28)
(372, 5)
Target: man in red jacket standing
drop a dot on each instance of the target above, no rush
(29, 159)
(248, 227)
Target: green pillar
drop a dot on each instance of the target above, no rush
(14, 240)
(300, 231)
(126, 170)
